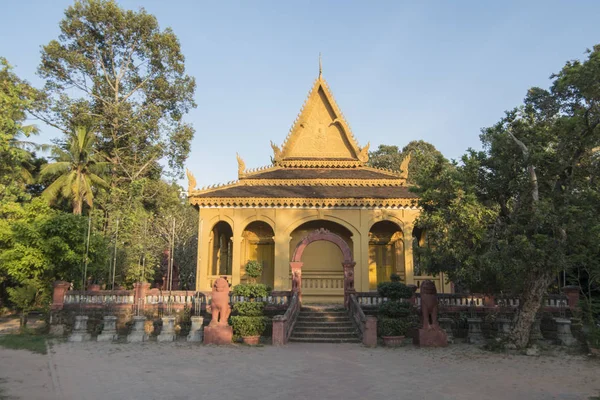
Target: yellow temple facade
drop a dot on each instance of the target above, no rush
(319, 179)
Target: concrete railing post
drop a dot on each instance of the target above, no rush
(572, 293)
(370, 333)
(58, 294)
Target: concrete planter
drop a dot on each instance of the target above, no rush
(475, 333)
(563, 332)
(109, 329)
(197, 330)
(138, 333)
(80, 333)
(167, 333)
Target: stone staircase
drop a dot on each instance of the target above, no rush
(324, 325)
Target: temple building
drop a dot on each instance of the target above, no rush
(318, 181)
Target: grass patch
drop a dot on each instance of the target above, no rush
(24, 341)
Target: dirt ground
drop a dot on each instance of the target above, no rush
(82, 371)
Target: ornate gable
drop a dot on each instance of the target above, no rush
(320, 133)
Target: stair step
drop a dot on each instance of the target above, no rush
(332, 335)
(323, 319)
(332, 324)
(323, 340)
(322, 329)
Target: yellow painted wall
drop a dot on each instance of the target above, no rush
(356, 224)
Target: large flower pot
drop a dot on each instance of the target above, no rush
(393, 341)
(251, 340)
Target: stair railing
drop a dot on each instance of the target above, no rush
(283, 325)
(356, 313)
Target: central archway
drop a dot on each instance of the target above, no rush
(347, 263)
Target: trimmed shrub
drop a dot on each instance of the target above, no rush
(251, 290)
(254, 269)
(394, 290)
(395, 309)
(249, 326)
(249, 309)
(393, 326)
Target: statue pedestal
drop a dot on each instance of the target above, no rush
(109, 330)
(434, 337)
(218, 334)
(138, 333)
(167, 333)
(196, 332)
(80, 333)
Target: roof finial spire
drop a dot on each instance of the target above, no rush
(320, 65)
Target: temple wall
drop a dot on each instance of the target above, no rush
(354, 224)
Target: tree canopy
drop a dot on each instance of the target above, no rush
(502, 219)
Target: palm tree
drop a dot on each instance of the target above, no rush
(79, 170)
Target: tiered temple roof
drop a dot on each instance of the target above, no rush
(320, 164)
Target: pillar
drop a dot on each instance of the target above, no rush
(58, 295)
(281, 274)
(572, 293)
(236, 248)
(408, 255)
(370, 333)
(203, 255)
(139, 296)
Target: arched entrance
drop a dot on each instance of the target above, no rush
(386, 253)
(258, 245)
(347, 264)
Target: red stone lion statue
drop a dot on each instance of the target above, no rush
(220, 302)
(429, 305)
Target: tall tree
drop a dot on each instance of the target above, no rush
(79, 168)
(16, 96)
(422, 156)
(503, 218)
(131, 83)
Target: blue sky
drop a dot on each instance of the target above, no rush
(400, 71)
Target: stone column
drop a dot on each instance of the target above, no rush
(80, 333)
(408, 255)
(196, 331)
(236, 248)
(58, 295)
(167, 332)
(348, 280)
(109, 329)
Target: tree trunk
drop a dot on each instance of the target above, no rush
(77, 207)
(530, 303)
(23, 321)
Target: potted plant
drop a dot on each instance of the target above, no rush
(249, 321)
(396, 314)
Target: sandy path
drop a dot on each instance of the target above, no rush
(307, 371)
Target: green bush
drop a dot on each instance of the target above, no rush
(395, 309)
(393, 326)
(394, 290)
(251, 290)
(249, 309)
(395, 278)
(254, 269)
(249, 326)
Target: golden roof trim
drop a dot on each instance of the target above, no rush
(301, 202)
(323, 182)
